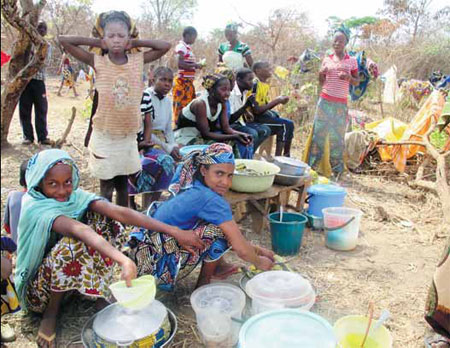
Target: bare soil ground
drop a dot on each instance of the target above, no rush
(392, 265)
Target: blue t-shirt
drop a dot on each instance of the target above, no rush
(196, 203)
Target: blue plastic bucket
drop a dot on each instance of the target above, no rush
(287, 328)
(324, 196)
(287, 234)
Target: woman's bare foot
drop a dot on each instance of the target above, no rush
(224, 269)
(46, 337)
(437, 341)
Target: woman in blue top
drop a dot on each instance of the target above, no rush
(198, 204)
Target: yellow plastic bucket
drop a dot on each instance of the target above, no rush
(350, 332)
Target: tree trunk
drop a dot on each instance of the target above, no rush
(21, 70)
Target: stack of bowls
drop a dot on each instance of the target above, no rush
(291, 170)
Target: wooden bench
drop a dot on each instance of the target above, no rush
(258, 205)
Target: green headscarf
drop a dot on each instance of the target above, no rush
(233, 26)
(38, 214)
(344, 30)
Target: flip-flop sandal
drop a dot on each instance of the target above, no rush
(48, 339)
(224, 275)
(435, 339)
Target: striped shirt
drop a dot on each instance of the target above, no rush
(188, 56)
(119, 95)
(334, 89)
(240, 47)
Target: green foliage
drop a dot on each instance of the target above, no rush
(438, 139)
(86, 112)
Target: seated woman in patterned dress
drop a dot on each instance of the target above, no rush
(68, 240)
(199, 185)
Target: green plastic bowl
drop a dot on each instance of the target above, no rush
(254, 183)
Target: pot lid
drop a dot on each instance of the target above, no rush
(223, 297)
(287, 328)
(326, 190)
(282, 286)
(120, 324)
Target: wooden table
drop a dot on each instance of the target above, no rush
(258, 205)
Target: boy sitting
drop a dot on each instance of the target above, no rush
(262, 109)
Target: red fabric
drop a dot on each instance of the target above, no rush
(5, 58)
(7, 228)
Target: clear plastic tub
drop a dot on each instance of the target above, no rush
(345, 237)
(280, 289)
(224, 298)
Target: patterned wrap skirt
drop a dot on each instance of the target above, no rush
(72, 265)
(160, 255)
(183, 93)
(157, 171)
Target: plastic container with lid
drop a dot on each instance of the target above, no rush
(280, 289)
(122, 326)
(322, 196)
(286, 328)
(218, 300)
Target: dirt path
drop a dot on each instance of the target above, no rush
(392, 265)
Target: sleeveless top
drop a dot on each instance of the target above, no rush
(120, 91)
(187, 113)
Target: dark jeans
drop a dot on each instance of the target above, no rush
(34, 94)
(259, 132)
(281, 127)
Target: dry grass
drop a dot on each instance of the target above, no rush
(402, 236)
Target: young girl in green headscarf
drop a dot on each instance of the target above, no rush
(68, 238)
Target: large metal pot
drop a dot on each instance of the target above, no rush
(154, 326)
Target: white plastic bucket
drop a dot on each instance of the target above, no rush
(342, 227)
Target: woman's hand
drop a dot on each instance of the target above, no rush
(145, 144)
(176, 154)
(264, 263)
(265, 252)
(103, 45)
(282, 99)
(188, 240)
(129, 270)
(243, 138)
(323, 71)
(344, 76)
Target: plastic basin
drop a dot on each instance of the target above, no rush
(345, 238)
(350, 332)
(287, 328)
(322, 196)
(254, 183)
(139, 295)
(287, 234)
